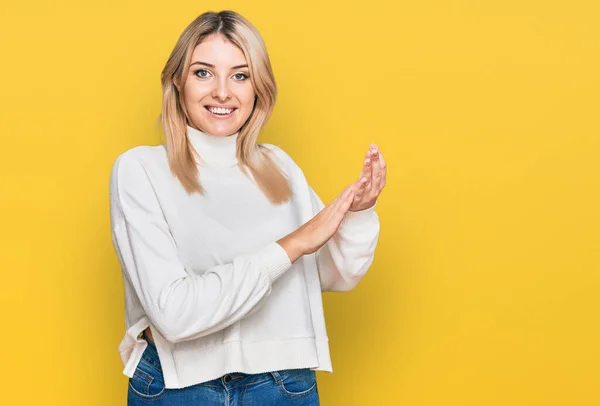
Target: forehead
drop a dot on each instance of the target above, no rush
(219, 51)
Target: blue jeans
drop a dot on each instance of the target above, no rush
(287, 387)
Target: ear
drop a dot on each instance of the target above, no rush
(176, 83)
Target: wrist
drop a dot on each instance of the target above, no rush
(290, 243)
(363, 208)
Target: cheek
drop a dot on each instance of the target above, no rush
(246, 97)
(194, 91)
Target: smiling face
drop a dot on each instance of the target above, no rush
(218, 93)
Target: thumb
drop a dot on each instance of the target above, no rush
(347, 198)
(348, 193)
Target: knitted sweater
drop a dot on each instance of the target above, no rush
(206, 274)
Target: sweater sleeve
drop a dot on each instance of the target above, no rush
(345, 258)
(180, 305)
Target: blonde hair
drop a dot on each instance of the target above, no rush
(251, 157)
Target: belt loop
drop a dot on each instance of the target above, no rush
(276, 376)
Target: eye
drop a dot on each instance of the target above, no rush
(202, 71)
(242, 78)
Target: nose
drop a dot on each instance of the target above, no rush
(221, 90)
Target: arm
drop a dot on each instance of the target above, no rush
(181, 306)
(347, 256)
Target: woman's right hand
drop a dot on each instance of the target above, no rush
(313, 234)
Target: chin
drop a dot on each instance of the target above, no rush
(219, 129)
(222, 131)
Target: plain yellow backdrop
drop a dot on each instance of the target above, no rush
(485, 286)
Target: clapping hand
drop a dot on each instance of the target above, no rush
(371, 180)
(360, 195)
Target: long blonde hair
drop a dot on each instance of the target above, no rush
(253, 157)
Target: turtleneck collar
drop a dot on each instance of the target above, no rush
(215, 150)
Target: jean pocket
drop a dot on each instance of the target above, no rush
(296, 383)
(147, 382)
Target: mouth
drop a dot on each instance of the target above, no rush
(220, 112)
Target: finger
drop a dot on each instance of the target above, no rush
(384, 170)
(335, 201)
(368, 173)
(364, 177)
(348, 193)
(356, 191)
(361, 187)
(363, 171)
(383, 163)
(345, 200)
(377, 171)
(368, 170)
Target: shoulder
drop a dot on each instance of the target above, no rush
(284, 159)
(144, 154)
(131, 169)
(278, 152)
(137, 160)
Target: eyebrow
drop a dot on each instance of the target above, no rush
(212, 66)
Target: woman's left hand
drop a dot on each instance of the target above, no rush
(371, 180)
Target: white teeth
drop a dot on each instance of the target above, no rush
(219, 110)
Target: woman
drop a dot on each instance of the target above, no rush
(225, 248)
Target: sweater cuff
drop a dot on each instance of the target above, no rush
(360, 216)
(276, 261)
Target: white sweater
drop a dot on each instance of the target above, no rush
(206, 274)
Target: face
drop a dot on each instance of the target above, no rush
(218, 94)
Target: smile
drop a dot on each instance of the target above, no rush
(220, 112)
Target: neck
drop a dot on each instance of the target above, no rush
(214, 150)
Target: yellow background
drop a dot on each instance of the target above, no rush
(485, 287)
